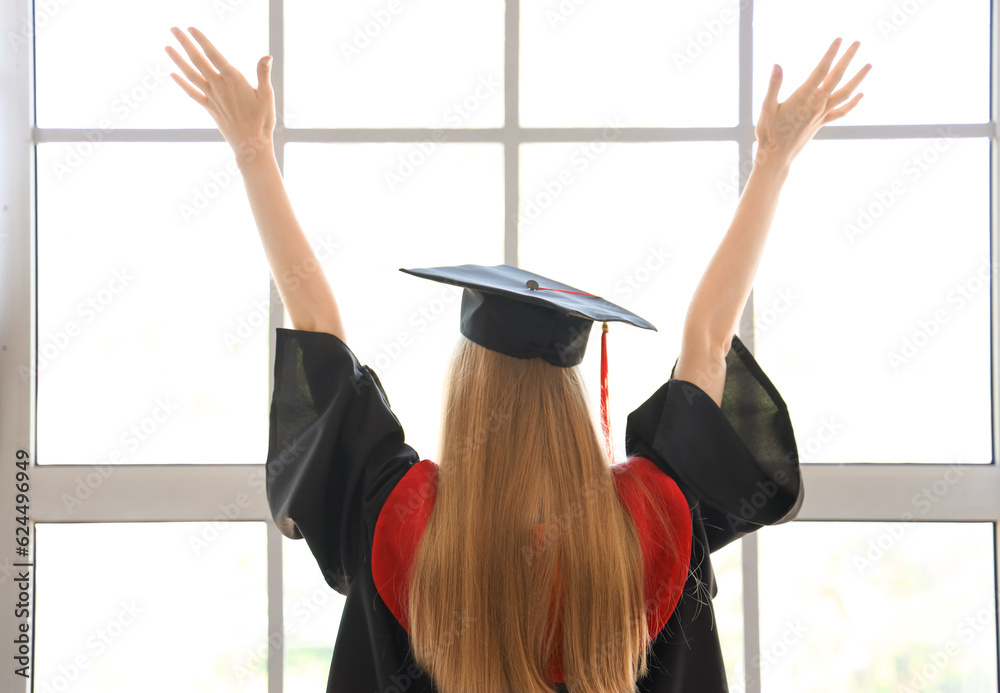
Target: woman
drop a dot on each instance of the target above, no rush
(526, 560)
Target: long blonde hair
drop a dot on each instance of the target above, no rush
(519, 446)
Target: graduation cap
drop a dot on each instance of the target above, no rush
(523, 314)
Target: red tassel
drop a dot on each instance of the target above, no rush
(605, 414)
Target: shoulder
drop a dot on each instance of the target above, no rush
(398, 530)
(663, 522)
(412, 498)
(637, 472)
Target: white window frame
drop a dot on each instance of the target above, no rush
(851, 492)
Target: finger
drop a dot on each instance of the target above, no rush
(819, 72)
(771, 97)
(192, 74)
(196, 57)
(264, 76)
(846, 90)
(210, 50)
(833, 79)
(191, 91)
(843, 110)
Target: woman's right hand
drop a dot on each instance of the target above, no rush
(783, 129)
(245, 115)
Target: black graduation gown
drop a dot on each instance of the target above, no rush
(336, 450)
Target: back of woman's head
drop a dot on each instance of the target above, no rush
(496, 597)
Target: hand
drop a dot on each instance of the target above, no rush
(245, 115)
(784, 129)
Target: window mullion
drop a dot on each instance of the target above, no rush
(275, 611)
(995, 289)
(511, 130)
(751, 614)
(276, 314)
(745, 140)
(17, 305)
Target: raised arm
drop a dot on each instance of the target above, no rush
(246, 119)
(782, 131)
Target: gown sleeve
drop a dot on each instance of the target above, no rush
(335, 451)
(738, 463)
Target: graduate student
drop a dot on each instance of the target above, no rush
(525, 559)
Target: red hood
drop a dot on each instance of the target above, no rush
(404, 516)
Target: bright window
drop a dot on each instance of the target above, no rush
(602, 143)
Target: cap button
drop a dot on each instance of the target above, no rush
(532, 284)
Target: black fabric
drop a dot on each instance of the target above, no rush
(523, 330)
(523, 314)
(336, 451)
(738, 467)
(740, 459)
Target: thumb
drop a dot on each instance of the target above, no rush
(771, 98)
(264, 73)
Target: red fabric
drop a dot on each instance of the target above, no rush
(404, 516)
(605, 413)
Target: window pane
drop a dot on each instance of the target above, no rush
(152, 308)
(140, 607)
(636, 224)
(642, 62)
(393, 63)
(896, 38)
(390, 206)
(312, 618)
(878, 606)
(102, 64)
(728, 605)
(872, 301)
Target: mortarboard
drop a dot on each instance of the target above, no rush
(523, 314)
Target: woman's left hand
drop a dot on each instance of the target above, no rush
(784, 129)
